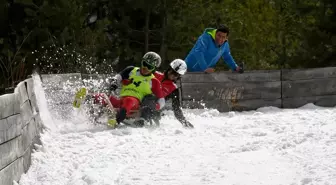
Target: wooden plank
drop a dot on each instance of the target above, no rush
(96, 76)
(324, 101)
(26, 113)
(60, 78)
(21, 91)
(29, 132)
(30, 87)
(232, 105)
(10, 151)
(305, 74)
(7, 105)
(39, 124)
(27, 158)
(60, 96)
(10, 128)
(237, 90)
(58, 82)
(258, 75)
(95, 81)
(306, 88)
(12, 172)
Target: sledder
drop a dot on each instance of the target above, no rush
(136, 83)
(168, 79)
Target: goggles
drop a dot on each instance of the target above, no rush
(147, 65)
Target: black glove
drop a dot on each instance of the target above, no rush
(110, 85)
(241, 68)
(113, 87)
(187, 124)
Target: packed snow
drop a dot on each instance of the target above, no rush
(269, 146)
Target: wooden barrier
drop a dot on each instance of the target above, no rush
(317, 86)
(20, 126)
(228, 91)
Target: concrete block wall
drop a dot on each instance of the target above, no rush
(20, 126)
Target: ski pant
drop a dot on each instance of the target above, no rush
(147, 108)
(129, 103)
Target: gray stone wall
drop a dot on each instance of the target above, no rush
(20, 125)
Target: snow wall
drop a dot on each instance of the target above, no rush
(20, 125)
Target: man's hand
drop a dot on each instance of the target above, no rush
(113, 86)
(210, 70)
(239, 69)
(110, 85)
(108, 88)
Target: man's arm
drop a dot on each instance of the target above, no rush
(175, 95)
(124, 74)
(200, 49)
(228, 59)
(112, 83)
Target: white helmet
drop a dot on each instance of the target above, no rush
(152, 58)
(179, 66)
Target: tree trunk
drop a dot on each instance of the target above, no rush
(163, 47)
(147, 28)
(284, 50)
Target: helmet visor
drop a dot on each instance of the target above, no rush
(148, 65)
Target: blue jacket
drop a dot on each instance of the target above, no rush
(205, 53)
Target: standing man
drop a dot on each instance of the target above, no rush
(210, 46)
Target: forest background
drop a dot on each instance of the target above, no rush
(104, 36)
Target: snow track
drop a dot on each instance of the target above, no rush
(269, 146)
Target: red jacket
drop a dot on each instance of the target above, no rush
(168, 86)
(170, 90)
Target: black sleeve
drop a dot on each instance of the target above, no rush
(176, 104)
(125, 73)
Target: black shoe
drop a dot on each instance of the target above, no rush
(121, 115)
(139, 123)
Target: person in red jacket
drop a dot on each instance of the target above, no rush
(136, 84)
(168, 79)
